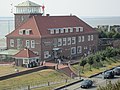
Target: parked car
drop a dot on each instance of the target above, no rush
(108, 74)
(86, 83)
(116, 71)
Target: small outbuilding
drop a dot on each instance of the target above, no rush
(26, 58)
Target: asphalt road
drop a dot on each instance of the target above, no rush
(98, 81)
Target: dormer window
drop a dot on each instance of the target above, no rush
(81, 29)
(21, 32)
(28, 32)
(66, 30)
(71, 29)
(61, 30)
(57, 31)
(52, 31)
(77, 29)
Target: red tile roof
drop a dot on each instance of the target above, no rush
(41, 24)
(25, 53)
(30, 24)
(46, 22)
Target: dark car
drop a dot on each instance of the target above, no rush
(86, 83)
(116, 71)
(108, 74)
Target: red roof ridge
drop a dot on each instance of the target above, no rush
(36, 25)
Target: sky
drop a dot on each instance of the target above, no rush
(84, 8)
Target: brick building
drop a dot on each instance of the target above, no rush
(51, 36)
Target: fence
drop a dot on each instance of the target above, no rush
(38, 85)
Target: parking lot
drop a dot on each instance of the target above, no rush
(98, 81)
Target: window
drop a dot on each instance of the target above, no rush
(61, 30)
(73, 50)
(81, 29)
(55, 42)
(91, 37)
(66, 30)
(25, 61)
(59, 42)
(27, 43)
(21, 32)
(77, 29)
(69, 40)
(83, 38)
(27, 32)
(52, 31)
(73, 40)
(79, 38)
(71, 29)
(11, 42)
(79, 49)
(64, 41)
(57, 31)
(46, 54)
(19, 43)
(88, 37)
(32, 43)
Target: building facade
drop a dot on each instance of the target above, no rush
(54, 36)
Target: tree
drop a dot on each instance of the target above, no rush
(90, 61)
(102, 34)
(83, 63)
(116, 35)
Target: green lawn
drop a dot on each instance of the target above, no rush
(8, 69)
(35, 78)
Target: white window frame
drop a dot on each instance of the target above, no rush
(73, 40)
(59, 41)
(11, 42)
(57, 31)
(25, 61)
(21, 32)
(52, 31)
(28, 43)
(19, 43)
(92, 37)
(66, 30)
(69, 40)
(46, 54)
(81, 29)
(77, 29)
(73, 48)
(32, 43)
(89, 38)
(64, 41)
(79, 49)
(83, 38)
(27, 32)
(71, 30)
(61, 30)
(79, 38)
